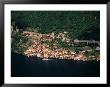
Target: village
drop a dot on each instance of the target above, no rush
(41, 47)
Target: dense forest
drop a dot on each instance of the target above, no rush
(79, 24)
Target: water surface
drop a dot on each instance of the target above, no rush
(22, 66)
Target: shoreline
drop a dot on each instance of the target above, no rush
(50, 58)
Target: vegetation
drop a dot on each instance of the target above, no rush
(19, 43)
(82, 25)
(79, 24)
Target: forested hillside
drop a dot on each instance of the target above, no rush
(79, 24)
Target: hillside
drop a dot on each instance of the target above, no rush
(56, 34)
(79, 24)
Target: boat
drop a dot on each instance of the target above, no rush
(45, 59)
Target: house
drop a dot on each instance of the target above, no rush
(97, 48)
(60, 35)
(27, 33)
(52, 35)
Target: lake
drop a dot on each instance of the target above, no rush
(22, 66)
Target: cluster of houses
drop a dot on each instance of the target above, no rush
(42, 50)
(47, 37)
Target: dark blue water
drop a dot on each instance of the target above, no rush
(22, 66)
